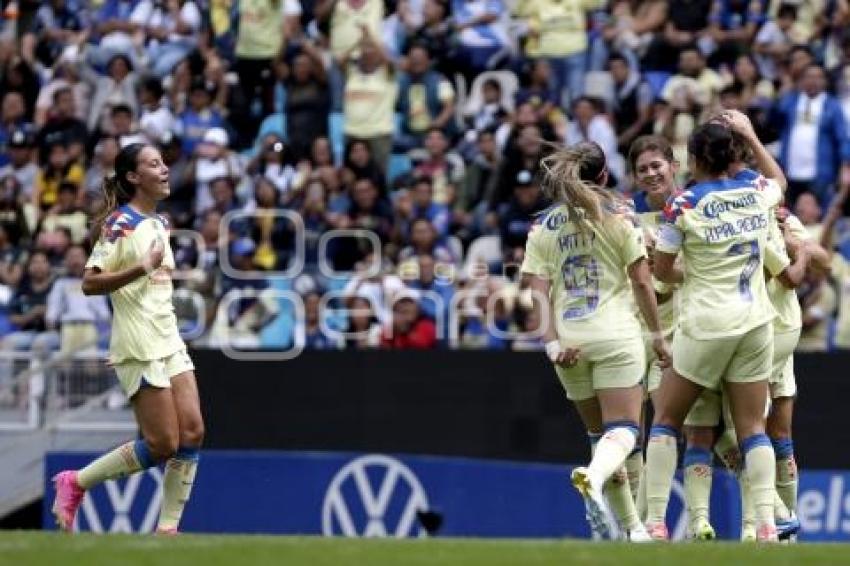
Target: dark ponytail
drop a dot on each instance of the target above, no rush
(117, 190)
(711, 146)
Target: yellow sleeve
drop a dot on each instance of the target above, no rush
(534, 262)
(75, 175)
(633, 245)
(775, 259)
(105, 255)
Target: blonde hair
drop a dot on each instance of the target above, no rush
(572, 177)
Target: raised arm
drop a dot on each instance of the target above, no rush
(766, 164)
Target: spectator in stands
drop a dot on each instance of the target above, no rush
(28, 307)
(590, 124)
(756, 92)
(55, 25)
(262, 33)
(695, 87)
(426, 100)
(13, 219)
(732, 26)
(276, 162)
(490, 113)
(557, 32)
(62, 121)
(409, 330)
(633, 27)
(57, 168)
(314, 336)
(199, 117)
(370, 96)
(367, 210)
(423, 240)
(478, 183)
(811, 121)
(213, 160)
(67, 214)
(517, 215)
(19, 76)
(12, 259)
(436, 292)
(21, 166)
(482, 35)
(435, 33)
(632, 102)
(773, 41)
(223, 192)
(525, 156)
(307, 99)
(118, 86)
(537, 93)
(687, 24)
(818, 302)
(273, 233)
(445, 173)
(157, 121)
(799, 59)
(363, 331)
(424, 206)
(66, 74)
(349, 22)
(75, 315)
(359, 164)
(12, 119)
(809, 212)
(171, 27)
(123, 127)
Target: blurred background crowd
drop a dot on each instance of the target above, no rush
(414, 128)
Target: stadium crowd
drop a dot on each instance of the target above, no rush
(421, 122)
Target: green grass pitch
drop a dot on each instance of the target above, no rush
(54, 549)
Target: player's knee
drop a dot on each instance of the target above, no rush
(162, 445)
(193, 433)
(777, 429)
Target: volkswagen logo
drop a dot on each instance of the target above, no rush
(374, 496)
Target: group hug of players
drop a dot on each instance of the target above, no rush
(712, 269)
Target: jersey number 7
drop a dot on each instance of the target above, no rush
(752, 250)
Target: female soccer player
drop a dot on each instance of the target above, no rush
(654, 168)
(795, 252)
(132, 261)
(725, 335)
(581, 255)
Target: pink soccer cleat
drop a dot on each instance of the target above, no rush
(657, 531)
(767, 533)
(69, 496)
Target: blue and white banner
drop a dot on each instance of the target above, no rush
(401, 496)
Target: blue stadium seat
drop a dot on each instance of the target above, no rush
(400, 164)
(272, 124)
(280, 332)
(656, 81)
(336, 133)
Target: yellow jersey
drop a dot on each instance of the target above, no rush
(144, 326)
(721, 228)
(586, 264)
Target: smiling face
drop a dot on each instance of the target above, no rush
(151, 175)
(654, 174)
